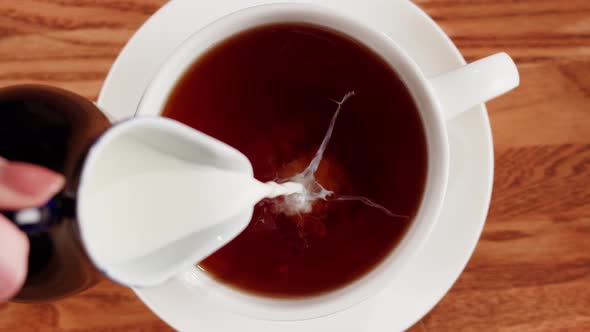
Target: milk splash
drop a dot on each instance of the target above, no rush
(299, 203)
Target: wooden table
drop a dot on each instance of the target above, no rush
(531, 269)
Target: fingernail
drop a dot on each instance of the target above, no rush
(31, 180)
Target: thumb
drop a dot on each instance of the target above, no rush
(14, 250)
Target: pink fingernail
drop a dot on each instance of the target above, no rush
(34, 181)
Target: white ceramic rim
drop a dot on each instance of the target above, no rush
(183, 57)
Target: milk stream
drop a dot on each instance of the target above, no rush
(163, 198)
(301, 202)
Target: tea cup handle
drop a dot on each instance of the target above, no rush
(475, 83)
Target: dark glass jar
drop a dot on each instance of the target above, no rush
(53, 128)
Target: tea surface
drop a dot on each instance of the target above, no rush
(270, 92)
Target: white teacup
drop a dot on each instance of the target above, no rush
(438, 99)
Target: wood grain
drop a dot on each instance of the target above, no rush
(531, 268)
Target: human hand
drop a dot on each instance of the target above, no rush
(22, 186)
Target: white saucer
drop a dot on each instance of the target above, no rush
(186, 306)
